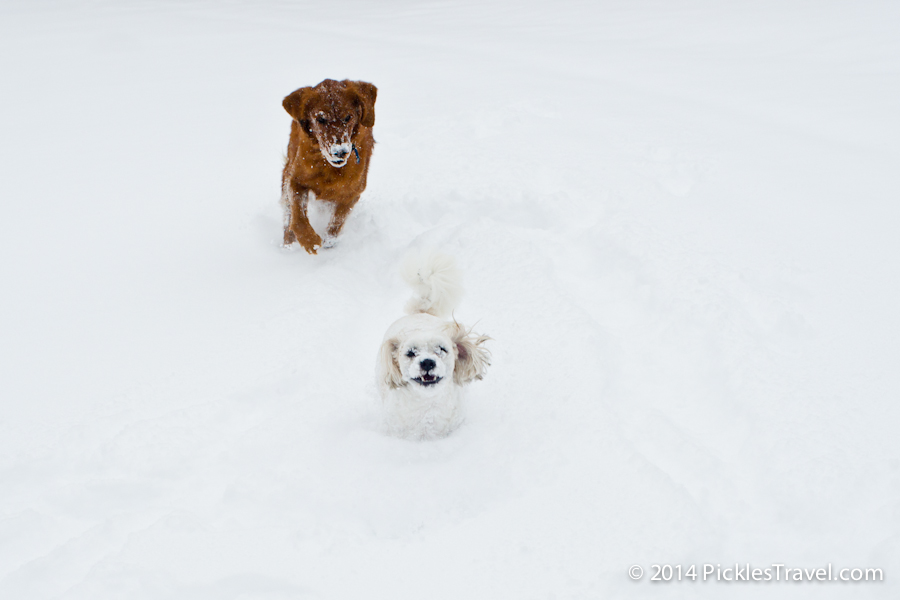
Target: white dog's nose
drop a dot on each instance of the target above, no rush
(427, 364)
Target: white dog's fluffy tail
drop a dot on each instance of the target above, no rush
(435, 280)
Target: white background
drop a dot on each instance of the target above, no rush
(678, 221)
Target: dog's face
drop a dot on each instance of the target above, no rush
(332, 112)
(429, 360)
(426, 361)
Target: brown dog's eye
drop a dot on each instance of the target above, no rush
(347, 119)
(321, 120)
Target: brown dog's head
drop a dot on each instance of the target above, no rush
(333, 112)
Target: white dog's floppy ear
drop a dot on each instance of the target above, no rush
(389, 369)
(472, 358)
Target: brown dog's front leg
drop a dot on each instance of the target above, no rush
(299, 228)
(341, 212)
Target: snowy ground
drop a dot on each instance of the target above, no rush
(678, 221)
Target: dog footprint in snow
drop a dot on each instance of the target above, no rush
(675, 174)
(678, 181)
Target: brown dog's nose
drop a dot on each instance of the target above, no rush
(427, 364)
(340, 153)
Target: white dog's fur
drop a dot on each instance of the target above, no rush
(425, 360)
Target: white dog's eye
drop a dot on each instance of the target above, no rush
(442, 349)
(410, 353)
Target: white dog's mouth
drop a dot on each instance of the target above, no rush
(427, 379)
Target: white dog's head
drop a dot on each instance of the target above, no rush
(432, 359)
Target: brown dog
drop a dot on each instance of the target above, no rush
(328, 155)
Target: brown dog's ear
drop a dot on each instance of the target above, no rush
(388, 368)
(295, 105)
(367, 94)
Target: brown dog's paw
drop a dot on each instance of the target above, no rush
(310, 240)
(289, 237)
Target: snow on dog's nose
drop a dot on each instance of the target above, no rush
(338, 153)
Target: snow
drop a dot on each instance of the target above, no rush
(678, 221)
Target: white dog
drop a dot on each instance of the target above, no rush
(425, 360)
